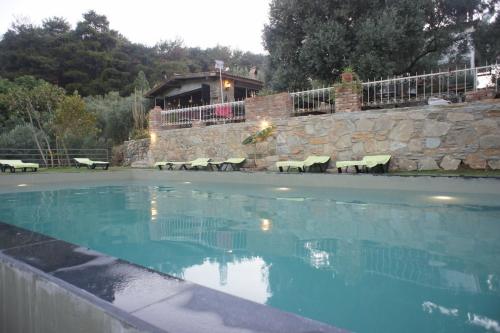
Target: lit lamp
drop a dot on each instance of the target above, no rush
(227, 84)
(264, 124)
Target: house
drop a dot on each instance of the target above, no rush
(203, 88)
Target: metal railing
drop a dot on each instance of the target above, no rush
(54, 157)
(452, 85)
(207, 114)
(315, 101)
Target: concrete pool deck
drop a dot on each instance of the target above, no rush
(484, 185)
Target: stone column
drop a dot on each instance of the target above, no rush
(155, 119)
(268, 107)
(348, 96)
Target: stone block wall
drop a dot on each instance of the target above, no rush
(268, 107)
(155, 119)
(348, 97)
(425, 137)
(137, 153)
(420, 138)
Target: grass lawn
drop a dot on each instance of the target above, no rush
(454, 173)
(68, 170)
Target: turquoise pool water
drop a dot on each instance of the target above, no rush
(362, 260)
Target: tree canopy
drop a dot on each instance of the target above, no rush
(94, 59)
(315, 39)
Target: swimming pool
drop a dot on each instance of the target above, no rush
(364, 260)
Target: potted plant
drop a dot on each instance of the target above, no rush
(347, 74)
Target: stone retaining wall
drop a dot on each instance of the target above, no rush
(420, 138)
(136, 153)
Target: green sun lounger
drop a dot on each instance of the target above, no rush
(194, 164)
(321, 162)
(235, 163)
(12, 165)
(369, 163)
(91, 164)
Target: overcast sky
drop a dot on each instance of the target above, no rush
(204, 23)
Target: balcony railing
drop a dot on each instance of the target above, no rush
(207, 114)
(452, 85)
(315, 101)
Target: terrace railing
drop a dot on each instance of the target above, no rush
(315, 101)
(207, 114)
(55, 157)
(452, 85)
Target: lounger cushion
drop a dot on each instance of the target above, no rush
(87, 161)
(200, 162)
(344, 164)
(291, 164)
(312, 160)
(234, 160)
(375, 160)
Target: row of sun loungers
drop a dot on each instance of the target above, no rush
(375, 163)
(13, 165)
(232, 163)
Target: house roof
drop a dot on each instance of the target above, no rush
(177, 80)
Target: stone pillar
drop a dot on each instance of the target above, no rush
(348, 95)
(268, 107)
(155, 119)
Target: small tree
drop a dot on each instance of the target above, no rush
(72, 120)
(36, 101)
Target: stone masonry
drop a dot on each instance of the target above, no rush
(347, 97)
(155, 119)
(268, 107)
(136, 153)
(418, 138)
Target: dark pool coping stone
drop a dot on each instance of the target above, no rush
(145, 299)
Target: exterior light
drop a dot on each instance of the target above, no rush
(22, 185)
(265, 224)
(153, 137)
(227, 84)
(264, 124)
(187, 182)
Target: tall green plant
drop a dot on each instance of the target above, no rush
(257, 137)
